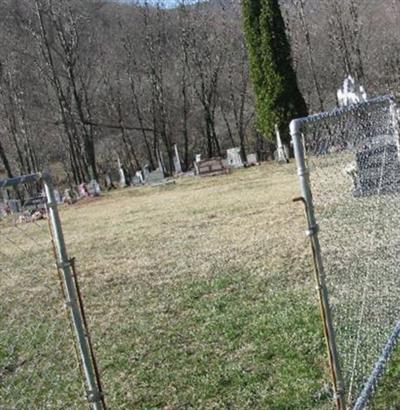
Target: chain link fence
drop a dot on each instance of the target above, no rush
(40, 311)
(349, 168)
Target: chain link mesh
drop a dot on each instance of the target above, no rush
(353, 160)
(38, 366)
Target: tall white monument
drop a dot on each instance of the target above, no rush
(122, 179)
(351, 92)
(160, 163)
(177, 160)
(281, 154)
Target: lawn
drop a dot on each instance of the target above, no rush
(199, 295)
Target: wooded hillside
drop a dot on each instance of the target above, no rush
(83, 82)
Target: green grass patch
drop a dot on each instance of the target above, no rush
(228, 341)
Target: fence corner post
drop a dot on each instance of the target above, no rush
(312, 233)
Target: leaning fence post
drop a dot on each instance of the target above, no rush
(94, 395)
(312, 233)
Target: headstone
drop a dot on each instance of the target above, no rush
(251, 159)
(233, 157)
(14, 205)
(377, 170)
(57, 196)
(136, 181)
(351, 92)
(68, 197)
(160, 163)
(146, 173)
(177, 160)
(196, 166)
(82, 190)
(75, 194)
(94, 188)
(109, 182)
(282, 156)
(212, 166)
(156, 176)
(122, 179)
(138, 178)
(4, 209)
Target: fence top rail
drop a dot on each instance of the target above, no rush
(296, 124)
(12, 182)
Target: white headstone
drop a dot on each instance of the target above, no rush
(281, 152)
(83, 192)
(251, 159)
(139, 176)
(177, 161)
(94, 188)
(67, 196)
(351, 92)
(122, 179)
(57, 196)
(233, 157)
(160, 163)
(196, 162)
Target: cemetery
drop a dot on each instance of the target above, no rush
(144, 177)
(224, 256)
(199, 205)
(140, 281)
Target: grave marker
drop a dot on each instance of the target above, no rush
(93, 188)
(212, 166)
(251, 159)
(282, 155)
(233, 157)
(156, 176)
(351, 92)
(177, 160)
(122, 179)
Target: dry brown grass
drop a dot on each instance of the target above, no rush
(245, 218)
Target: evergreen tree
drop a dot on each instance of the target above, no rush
(278, 99)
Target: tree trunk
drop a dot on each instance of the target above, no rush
(5, 161)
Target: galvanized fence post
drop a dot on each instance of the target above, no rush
(312, 233)
(64, 264)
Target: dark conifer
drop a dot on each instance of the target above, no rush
(277, 95)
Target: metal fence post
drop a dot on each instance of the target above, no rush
(312, 233)
(94, 394)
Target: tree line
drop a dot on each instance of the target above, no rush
(83, 83)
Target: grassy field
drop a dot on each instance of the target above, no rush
(199, 295)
